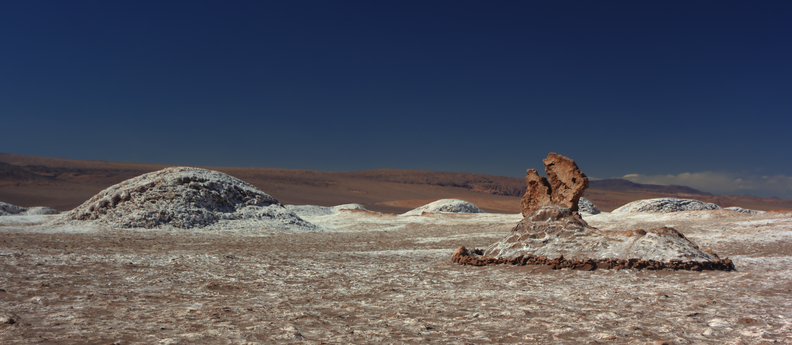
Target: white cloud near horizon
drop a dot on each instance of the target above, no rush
(723, 183)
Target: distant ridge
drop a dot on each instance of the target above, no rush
(622, 185)
(14, 174)
(66, 183)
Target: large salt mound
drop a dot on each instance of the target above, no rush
(585, 206)
(665, 205)
(317, 211)
(186, 198)
(445, 205)
(7, 209)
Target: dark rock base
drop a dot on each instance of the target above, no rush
(463, 256)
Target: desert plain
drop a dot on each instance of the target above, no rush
(364, 276)
(382, 278)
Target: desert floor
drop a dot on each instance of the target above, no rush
(382, 279)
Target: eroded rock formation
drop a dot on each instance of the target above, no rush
(564, 185)
(553, 233)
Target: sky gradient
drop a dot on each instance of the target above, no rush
(661, 92)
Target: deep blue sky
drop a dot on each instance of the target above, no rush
(654, 88)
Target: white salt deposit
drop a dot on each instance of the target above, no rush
(743, 210)
(445, 206)
(40, 210)
(183, 197)
(665, 205)
(587, 207)
(317, 211)
(7, 209)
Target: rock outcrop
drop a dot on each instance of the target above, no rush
(184, 197)
(445, 206)
(553, 233)
(665, 205)
(563, 186)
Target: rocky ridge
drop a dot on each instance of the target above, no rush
(186, 198)
(552, 228)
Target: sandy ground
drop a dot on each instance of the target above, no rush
(382, 279)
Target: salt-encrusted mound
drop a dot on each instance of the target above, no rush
(317, 211)
(665, 205)
(9, 210)
(553, 231)
(40, 210)
(743, 210)
(585, 206)
(187, 198)
(446, 206)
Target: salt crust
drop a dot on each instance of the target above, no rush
(7, 209)
(665, 205)
(743, 210)
(445, 206)
(317, 211)
(184, 197)
(585, 206)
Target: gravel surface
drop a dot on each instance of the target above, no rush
(383, 279)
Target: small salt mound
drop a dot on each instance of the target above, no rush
(40, 210)
(187, 198)
(585, 206)
(7, 209)
(665, 205)
(318, 211)
(743, 210)
(11, 210)
(446, 206)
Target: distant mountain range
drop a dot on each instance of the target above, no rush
(64, 183)
(622, 185)
(14, 174)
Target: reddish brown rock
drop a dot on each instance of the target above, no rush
(566, 180)
(537, 194)
(476, 257)
(565, 186)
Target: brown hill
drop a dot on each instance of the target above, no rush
(65, 183)
(621, 185)
(16, 175)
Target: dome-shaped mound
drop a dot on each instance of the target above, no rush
(743, 210)
(7, 209)
(186, 198)
(445, 206)
(40, 210)
(585, 206)
(665, 205)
